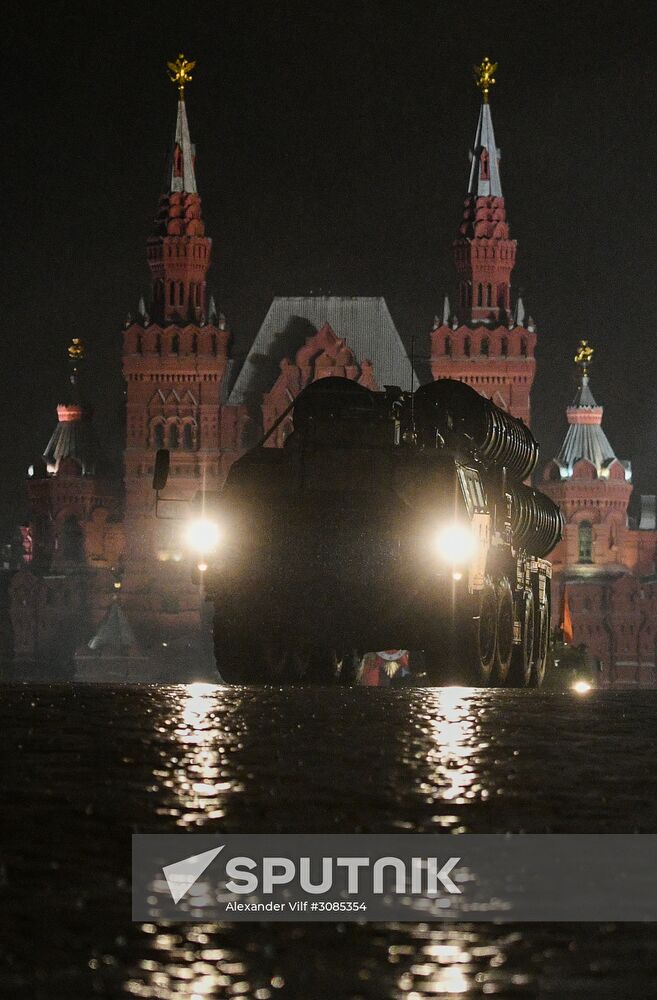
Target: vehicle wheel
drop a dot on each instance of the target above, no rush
(542, 640)
(478, 634)
(504, 643)
(522, 657)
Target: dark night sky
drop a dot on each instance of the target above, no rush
(332, 156)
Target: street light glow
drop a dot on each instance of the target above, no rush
(203, 535)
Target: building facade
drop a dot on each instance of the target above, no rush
(604, 567)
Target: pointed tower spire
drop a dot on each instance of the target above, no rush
(485, 156)
(483, 253)
(73, 440)
(179, 250)
(180, 167)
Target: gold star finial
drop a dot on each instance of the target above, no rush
(181, 73)
(584, 356)
(76, 350)
(484, 76)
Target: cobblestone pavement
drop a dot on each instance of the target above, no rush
(85, 767)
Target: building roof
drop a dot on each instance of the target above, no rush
(73, 438)
(585, 438)
(180, 164)
(484, 143)
(364, 323)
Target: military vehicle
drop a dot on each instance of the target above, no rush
(387, 520)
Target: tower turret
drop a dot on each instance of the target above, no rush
(487, 343)
(178, 250)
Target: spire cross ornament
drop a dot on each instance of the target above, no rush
(181, 73)
(484, 76)
(584, 356)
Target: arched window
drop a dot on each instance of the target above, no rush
(214, 343)
(158, 436)
(188, 437)
(174, 436)
(523, 347)
(489, 295)
(448, 346)
(466, 347)
(194, 343)
(585, 539)
(181, 293)
(175, 344)
(504, 347)
(484, 166)
(485, 347)
(480, 294)
(172, 293)
(139, 347)
(158, 344)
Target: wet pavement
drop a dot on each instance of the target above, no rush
(85, 767)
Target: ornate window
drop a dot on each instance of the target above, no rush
(158, 436)
(175, 344)
(174, 436)
(466, 346)
(188, 437)
(485, 347)
(504, 347)
(585, 539)
(523, 347)
(448, 346)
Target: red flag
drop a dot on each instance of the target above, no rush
(566, 619)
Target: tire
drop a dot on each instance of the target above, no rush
(522, 659)
(542, 640)
(475, 642)
(504, 641)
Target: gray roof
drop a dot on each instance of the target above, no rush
(74, 439)
(186, 181)
(485, 139)
(586, 440)
(114, 631)
(364, 323)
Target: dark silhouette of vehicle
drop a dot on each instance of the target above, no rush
(387, 520)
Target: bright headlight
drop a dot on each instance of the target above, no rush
(203, 535)
(455, 543)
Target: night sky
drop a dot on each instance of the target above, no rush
(332, 146)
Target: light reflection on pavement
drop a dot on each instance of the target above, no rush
(88, 766)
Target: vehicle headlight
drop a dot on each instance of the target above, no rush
(203, 535)
(455, 543)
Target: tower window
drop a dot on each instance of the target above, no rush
(188, 437)
(139, 347)
(175, 344)
(181, 293)
(194, 344)
(158, 344)
(504, 347)
(448, 346)
(489, 295)
(485, 171)
(174, 436)
(172, 293)
(480, 294)
(585, 539)
(466, 347)
(523, 347)
(485, 346)
(159, 436)
(214, 343)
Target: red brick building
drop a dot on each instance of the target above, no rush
(186, 392)
(604, 567)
